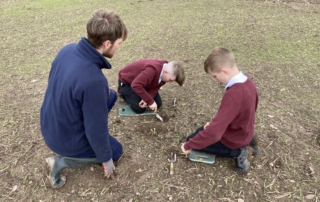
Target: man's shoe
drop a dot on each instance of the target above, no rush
(55, 181)
(242, 161)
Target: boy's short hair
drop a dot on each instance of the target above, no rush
(105, 25)
(178, 72)
(219, 58)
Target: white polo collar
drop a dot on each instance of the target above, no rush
(239, 78)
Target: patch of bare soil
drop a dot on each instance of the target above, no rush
(287, 167)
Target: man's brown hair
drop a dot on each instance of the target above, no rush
(178, 72)
(219, 58)
(105, 25)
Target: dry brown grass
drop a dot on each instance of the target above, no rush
(276, 44)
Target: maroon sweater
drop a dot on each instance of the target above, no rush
(233, 124)
(143, 76)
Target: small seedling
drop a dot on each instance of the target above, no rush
(153, 131)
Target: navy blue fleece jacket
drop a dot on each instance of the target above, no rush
(74, 113)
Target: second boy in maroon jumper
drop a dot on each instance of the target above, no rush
(140, 81)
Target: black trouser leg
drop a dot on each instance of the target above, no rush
(133, 99)
(217, 148)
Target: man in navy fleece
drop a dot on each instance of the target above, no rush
(74, 113)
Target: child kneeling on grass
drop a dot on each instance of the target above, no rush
(232, 128)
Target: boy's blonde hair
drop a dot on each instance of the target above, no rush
(219, 58)
(178, 72)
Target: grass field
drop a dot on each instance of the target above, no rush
(276, 43)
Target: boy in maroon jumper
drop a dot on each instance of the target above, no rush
(140, 81)
(232, 129)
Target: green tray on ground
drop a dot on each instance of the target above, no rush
(201, 157)
(125, 110)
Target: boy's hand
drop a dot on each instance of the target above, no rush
(142, 104)
(207, 124)
(183, 150)
(154, 107)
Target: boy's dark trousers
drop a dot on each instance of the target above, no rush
(133, 99)
(217, 148)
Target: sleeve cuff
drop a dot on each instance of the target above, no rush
(150, 102)
(186, 146)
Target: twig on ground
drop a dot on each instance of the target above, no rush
(44, 184)
(85, 193)
(14, 188)
(190, 169)
(8, 197)
(272, 183)
(270, 144)
(4, 145)
(4, 169)
(283, 195)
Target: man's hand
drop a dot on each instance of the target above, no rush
(108, 169)
(154, 107)
(207, 124)
(142, 104)
(186, 152)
